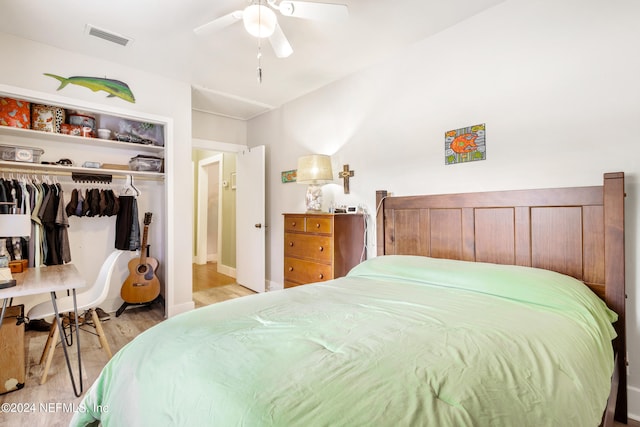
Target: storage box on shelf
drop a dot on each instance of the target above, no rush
(127, 134)
(145, 163)
(15, 113)
(20, 154)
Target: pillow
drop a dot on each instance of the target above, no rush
(528, 285)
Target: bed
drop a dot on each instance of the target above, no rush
(475, 312)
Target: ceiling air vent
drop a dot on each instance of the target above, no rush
(107, 35)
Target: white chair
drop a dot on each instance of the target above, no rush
(87, 300)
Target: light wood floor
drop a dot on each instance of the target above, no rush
(206, 276)
(53, 400)
(210, 287)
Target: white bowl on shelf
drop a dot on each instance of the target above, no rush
(104, 134)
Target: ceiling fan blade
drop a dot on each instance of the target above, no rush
(280, 44)
(219, 23)
(316, 11)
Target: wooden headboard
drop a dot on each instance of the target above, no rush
(578, 231)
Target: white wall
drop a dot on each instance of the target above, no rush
(557, 84)
(24, 62)
(217, 128)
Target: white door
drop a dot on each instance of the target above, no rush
(250, 215)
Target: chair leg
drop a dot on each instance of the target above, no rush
(52, 347)
(101, 336)
(47, 345)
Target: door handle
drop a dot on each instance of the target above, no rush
(258, 225)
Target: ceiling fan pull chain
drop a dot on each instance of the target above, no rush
(259, 70)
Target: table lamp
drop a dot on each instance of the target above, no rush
(314, 170)
(11, 225)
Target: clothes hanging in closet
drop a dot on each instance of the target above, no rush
(16, 192)
(95, 202)
(56, 223)
(49, 242)
(127, 224)
(36, 245)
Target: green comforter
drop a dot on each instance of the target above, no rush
(400, 341)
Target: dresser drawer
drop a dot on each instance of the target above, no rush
(317, 248)
(294, 223)
(318, 225)
(302, 271)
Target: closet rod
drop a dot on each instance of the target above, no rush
(121, 175)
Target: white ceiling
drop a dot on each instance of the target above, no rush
(221, 67)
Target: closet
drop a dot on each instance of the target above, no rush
(63, 160)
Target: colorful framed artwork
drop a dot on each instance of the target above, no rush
(466, 144)
(289, 176)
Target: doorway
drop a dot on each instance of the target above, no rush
(209, 213)
(250, 188)
(214, 222)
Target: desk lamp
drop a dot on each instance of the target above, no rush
(12, 224)
(314, 170)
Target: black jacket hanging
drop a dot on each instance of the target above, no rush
(124, 222)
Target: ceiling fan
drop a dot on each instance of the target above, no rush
(261, 21)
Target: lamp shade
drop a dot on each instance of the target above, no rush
(259, 20)
(15, 225)
(314, 169)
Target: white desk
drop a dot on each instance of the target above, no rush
(50, 279)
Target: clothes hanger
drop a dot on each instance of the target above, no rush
(129, 188)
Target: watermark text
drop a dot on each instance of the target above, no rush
(50, 407)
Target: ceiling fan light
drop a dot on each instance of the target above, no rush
(259, 20)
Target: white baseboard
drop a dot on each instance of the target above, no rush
(274, 286)
(209, 258)
(633, 403)
(180, 308)
(226, 270)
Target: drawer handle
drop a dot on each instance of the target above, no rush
(321, 249)
(290, 268)
(293, 224)
(320, 276)
(290, 243)
(318, 225)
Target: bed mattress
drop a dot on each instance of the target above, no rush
(402, 340)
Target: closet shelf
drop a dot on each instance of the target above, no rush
(17, 167)
(58, 137)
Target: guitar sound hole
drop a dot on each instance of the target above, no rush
(142, 269)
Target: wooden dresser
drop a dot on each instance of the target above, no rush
(319, 247)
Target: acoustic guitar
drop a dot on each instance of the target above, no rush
(142, 285)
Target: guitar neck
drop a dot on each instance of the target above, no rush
(143, 246)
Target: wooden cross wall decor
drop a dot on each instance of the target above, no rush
(345, 174)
